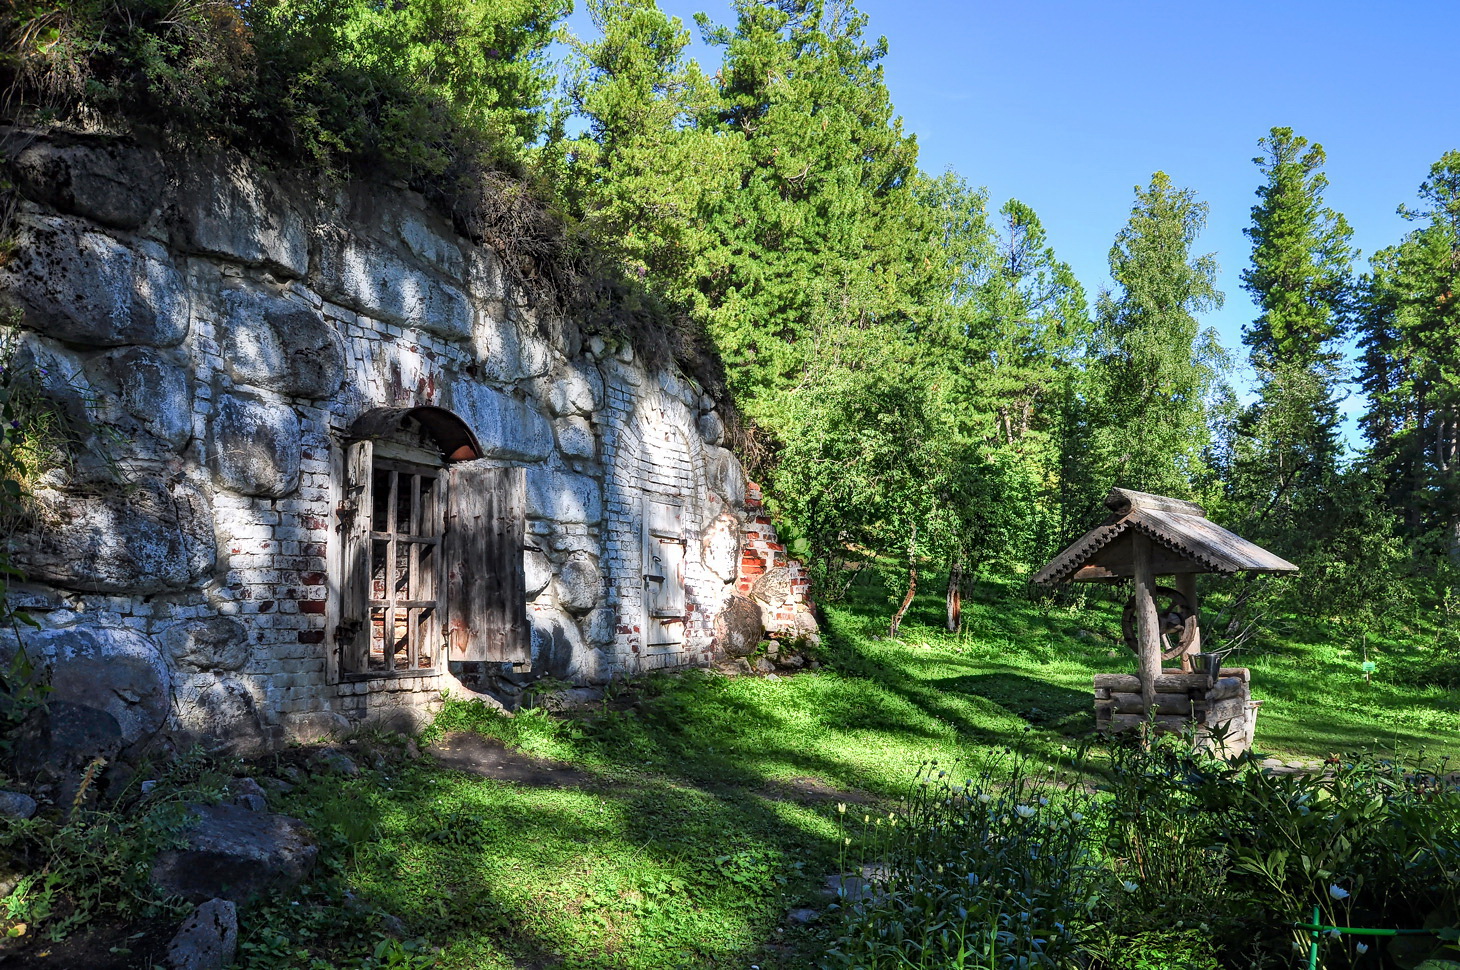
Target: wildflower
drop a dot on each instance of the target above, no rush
(1076, 817)
(1129, 886)
(1043, 801)
(841, 808)
(1025, 811)
(1332, 933)
(1362, 948)
(983, 797)
(846, 841)
(1337, 892)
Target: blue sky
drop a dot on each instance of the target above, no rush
(1067, 106)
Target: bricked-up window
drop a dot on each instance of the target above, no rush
(431, 556)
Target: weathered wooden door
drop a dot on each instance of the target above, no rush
(486, 590)
(664, 547)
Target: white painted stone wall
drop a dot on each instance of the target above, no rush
(212, 332)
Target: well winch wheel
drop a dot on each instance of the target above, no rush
(1175, 619)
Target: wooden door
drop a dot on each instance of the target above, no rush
(486, 589)
(664, 548)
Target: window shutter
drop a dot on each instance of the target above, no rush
(664, 546)
(353, 633)
(486, 590)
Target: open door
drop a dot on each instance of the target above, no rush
(487, 626)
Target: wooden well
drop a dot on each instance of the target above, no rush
(1147, 537)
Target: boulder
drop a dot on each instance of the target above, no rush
(207, 939)
(336, 761)
(61, 738)
(600, 627)
(113, 184)
(377, 281)
(720, 547)
(255, 447)
(712, 428)
(773, 587)
(14, 804)
(576, 438)
(563, 497)
(580, 585)
(227, 208)
(537, 571)
(725, 476)
(154, 395)
(279, 345)
(505, 427)
(422, 233)
(146, 537)
(86, 288)
(558, 649)
(232, 853)
(222, 716)
(505, 354)
(738, 628)
(572, 391)
(309, 727)
(214, 643)
(249, 794)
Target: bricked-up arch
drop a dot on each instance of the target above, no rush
(432, 540)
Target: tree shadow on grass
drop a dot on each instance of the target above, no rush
(1041, 703)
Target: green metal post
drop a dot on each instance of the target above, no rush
(1313, 950)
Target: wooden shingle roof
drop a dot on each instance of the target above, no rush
(1186, 541)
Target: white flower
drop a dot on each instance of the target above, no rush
(1076, 817)
(1129, 886)
(1024, 811)
(1362, 948)
(1332, 933)
(841, 808)
(1043, 801)
(983, 797)
(1337, 892)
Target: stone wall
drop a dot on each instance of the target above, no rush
(208, 333)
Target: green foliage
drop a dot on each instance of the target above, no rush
(1154, 368)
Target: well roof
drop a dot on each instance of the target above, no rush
(1186, 542)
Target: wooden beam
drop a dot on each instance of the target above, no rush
(1186, 586)
(1148, 625)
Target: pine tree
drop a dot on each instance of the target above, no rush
(1154, 368)
(1287, 445)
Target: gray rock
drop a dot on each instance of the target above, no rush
(563, 497)
(571, 699)
(255, 446)
(282, 346)
(371, 279)
(275, 786)
(309, 727)
(214, 643)
(249, 794)
(558, 649)
(485, 276)
(335, 760)
(712, 428)
(738, 628)
(154, 395)
(222, 716)
(724, 476)
(573, 391)
(86, 288)
(121, 672)
(802, 916)
(580, 585)
(207, 939)
(146, 537)
(537, 570)
(600, 626)
(61, 738)
(505, 427)
(227, 208)
(773, 587)
(116, 185)
(576, 438)
(234, 854)
(764, 666)
(720, 547)
(14, 804)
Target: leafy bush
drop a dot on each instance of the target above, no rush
(1176, 859)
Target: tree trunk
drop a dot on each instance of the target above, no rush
(955, 597)
(1148, 635)
(912, 584)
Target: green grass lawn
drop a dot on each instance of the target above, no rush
(709, 808)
